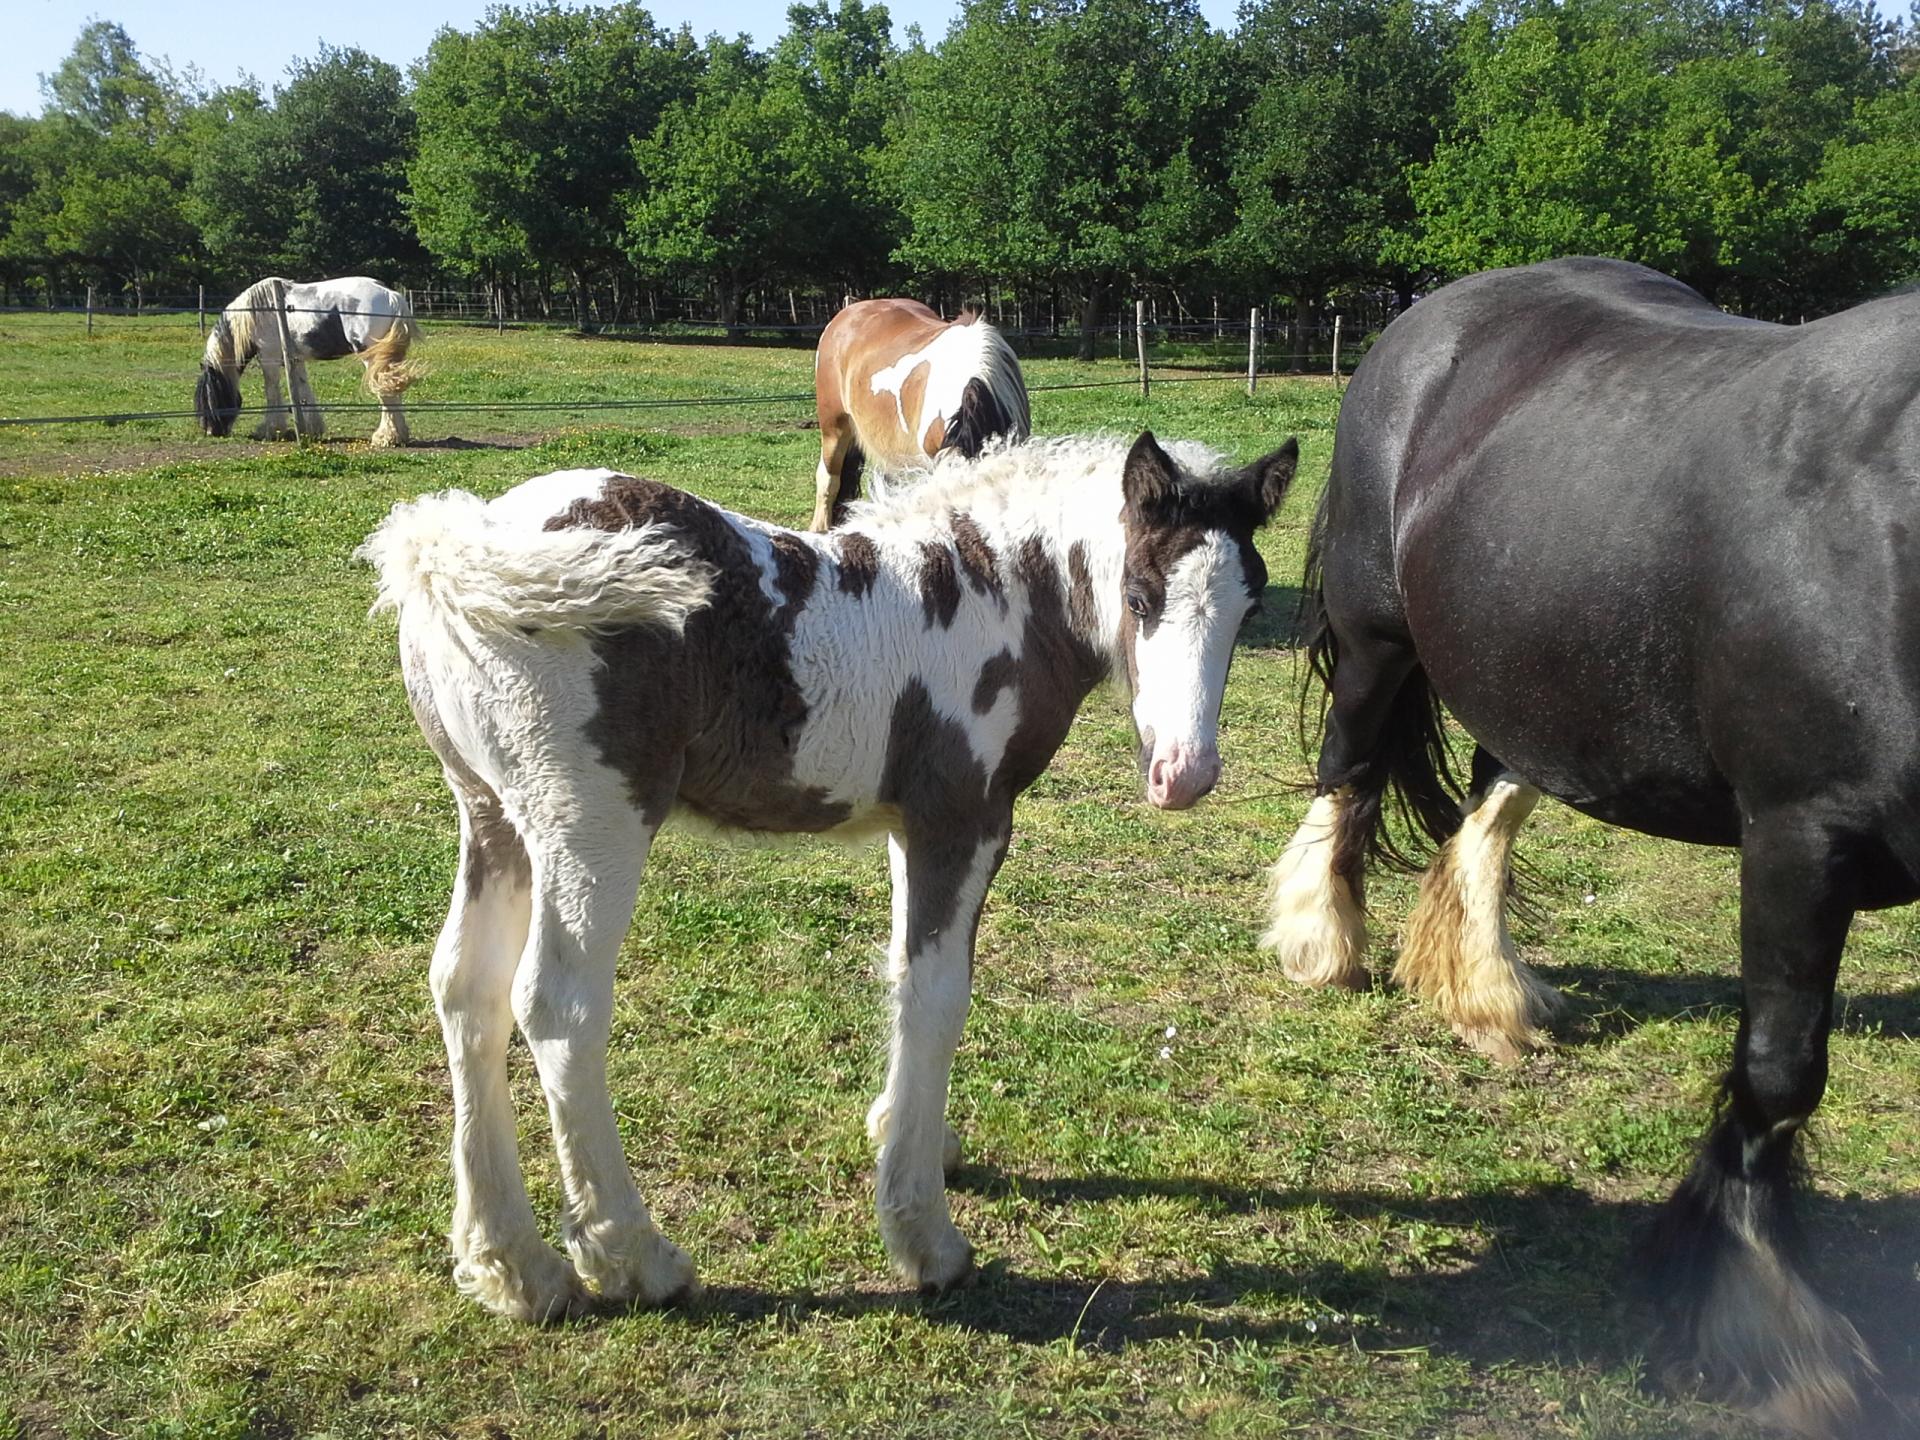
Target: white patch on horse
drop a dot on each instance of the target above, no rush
(953, 358)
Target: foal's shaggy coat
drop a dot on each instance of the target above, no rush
(592, 653)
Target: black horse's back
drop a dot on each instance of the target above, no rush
(1664, 564)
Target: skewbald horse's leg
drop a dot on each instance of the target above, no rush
(1735, 1311)
(1457, 952)
(836, 450)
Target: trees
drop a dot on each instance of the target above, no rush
(108, 166)
(1344, 95)
(1658, 133)
(769, 170)
(525, 136)
(313, 184)
(1062, 141)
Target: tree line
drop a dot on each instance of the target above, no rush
(1068, 153)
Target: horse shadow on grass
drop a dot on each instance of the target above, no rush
(1547, 1280)
(1605, 1004)
(1277, 625)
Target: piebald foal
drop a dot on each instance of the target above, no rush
(591, 654)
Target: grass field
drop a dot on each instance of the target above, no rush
(1206, 1203)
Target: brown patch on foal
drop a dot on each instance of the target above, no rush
(859, 564)
(939, 583)
(979, 562)
(707, 719)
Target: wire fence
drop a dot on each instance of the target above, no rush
(1156, 350)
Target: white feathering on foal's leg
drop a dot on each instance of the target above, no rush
(1457, 951)
(1315, 922)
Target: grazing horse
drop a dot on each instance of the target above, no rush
(896, 385)
(1663, 564)
(590, 654)
(326, 320)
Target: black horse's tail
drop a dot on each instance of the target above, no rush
(1411, 761)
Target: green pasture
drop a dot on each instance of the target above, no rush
(1206, 1202)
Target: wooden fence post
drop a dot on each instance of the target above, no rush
(1140, 341)
(286, 360)
(1336, 348)
(203, 312)
(1253, 349)
(89, 312)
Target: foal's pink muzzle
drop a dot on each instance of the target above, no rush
(1178, 776)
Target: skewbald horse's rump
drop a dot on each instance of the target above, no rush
(1660, 563)
(591, 654)
(896, 385)
(327, 320)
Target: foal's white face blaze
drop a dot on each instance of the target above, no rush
(1180, 671)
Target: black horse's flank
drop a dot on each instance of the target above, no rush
(1664, 564)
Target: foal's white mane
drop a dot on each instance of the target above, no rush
(1017, 481)
(233, 337)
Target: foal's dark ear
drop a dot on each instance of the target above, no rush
(1149, 473)
(1270, 475)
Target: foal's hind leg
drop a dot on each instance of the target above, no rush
(587, 857)
(1457, 952)
(1723, 1260)
(499, 1257)
(1316, 917)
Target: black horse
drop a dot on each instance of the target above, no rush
(1664, 564)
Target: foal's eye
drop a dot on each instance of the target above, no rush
(1137, 603)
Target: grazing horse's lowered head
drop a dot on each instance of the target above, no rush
(325, 320)
(895, 386)
(591, 655)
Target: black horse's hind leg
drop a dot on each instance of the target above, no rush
(1723, 1259)
(1316, 920)
(1457, 951)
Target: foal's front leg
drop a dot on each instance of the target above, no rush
(939, 885)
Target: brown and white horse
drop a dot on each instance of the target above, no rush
(591, 654)
(896, 385)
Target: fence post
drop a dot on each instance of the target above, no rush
(1253, 349)
(286, 361)
(89, 312)
(1336, 348)
(1140, 341)
(203, 312)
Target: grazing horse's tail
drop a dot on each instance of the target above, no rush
(478, 573)
(1413, 763)
(994, 402)
(389, 372)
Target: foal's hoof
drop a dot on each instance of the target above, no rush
(648, 1269)
(535, 1283)
(934, 1264)
(959, 1279)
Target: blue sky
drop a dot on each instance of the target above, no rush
(236, 36)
